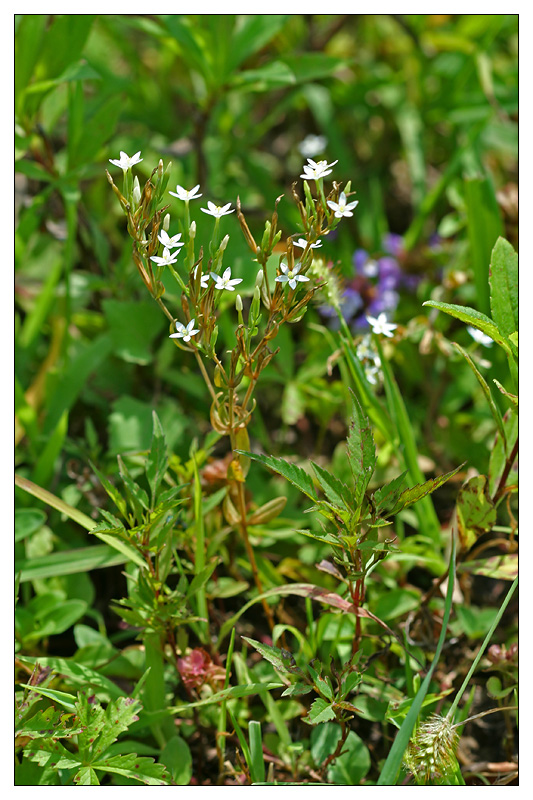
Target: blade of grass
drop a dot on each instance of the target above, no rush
(199, 552)
(405, 445)
(257, 761)
(394, 759)
(79, 517)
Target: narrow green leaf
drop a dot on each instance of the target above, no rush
(393, 762)
(496, 414)
(410, 496)
(361, 451)
(157, 463)
(257, 761)
(69, 562)
(296, 475)
(484, 226)
(338, 494)
(472, 317)
(504, 287)
(272, 654)
(226, 694)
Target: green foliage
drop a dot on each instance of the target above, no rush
(278, 622)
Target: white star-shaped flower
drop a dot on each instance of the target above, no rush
(166, 259)
(217, 211)
(290, 276)
(183, 194)
(184, 331)
(204, 279)
(125, 162)
(170, 241)
(225, 281)
(380, 325)
(342, 208)
(303, 244)
(315, 170)
(479, 336)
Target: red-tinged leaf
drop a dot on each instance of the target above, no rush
(410, 496)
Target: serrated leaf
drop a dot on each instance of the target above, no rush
(476, 513)
(410, 496)
(361, 451)
(86, 776)
(46, 752)
(137, 495)
(296, 475)
(338, 494)
(141, 768)
(297, 689)
(50, 722)
(320, 711)
(386, 495)
(472, 317)
(504, 287)
(269, 652)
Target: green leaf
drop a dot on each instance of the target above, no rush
(28, 521)
(140, 768)
(361, 451)
(410, 496)
(48, 752)
(484, 226)
(226, 694)
(472, 317)
(47, 723)
(176, 756)
(338, 494)
(313, 66)
(80, 675)
(396, 602)
(68, 562)
(386, 496)
(274, 75)
(86, 776)
(353, 764)
(157, 462)
(486, 391)
(320, 711)
(296, 475)
(255, 31)
(476, 513)
(272, 654)
(503, 568)
(504, 287)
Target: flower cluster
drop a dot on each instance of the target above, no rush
(374, 289)
(197, 668)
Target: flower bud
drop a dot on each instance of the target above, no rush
(192, 230)
(136, 192)
(259, 278)
(224, 243)
(160, 168)
(257, 293)
(238, 303)
(166, 222)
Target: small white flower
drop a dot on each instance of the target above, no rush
(312, 145)
(166, 259)
(342, 208)
(290, 276)
(479, 336)
(217, 211)
(315, 170)
(184, 331)
(125, 162)
(380, 325)
(370, 268)
(170, 241)
(372, 374)
(224, 282)
(183, 194)
(204, 279)
(303, 244)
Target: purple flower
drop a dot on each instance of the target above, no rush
(393, 243)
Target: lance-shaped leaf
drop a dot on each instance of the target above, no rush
(410, 496)
(475, 318)
(339, 495)
(273, 654)
(296, 475)
(504, 287)
(361, 451)
(157, 458)
(141, 768)
(386, 496)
